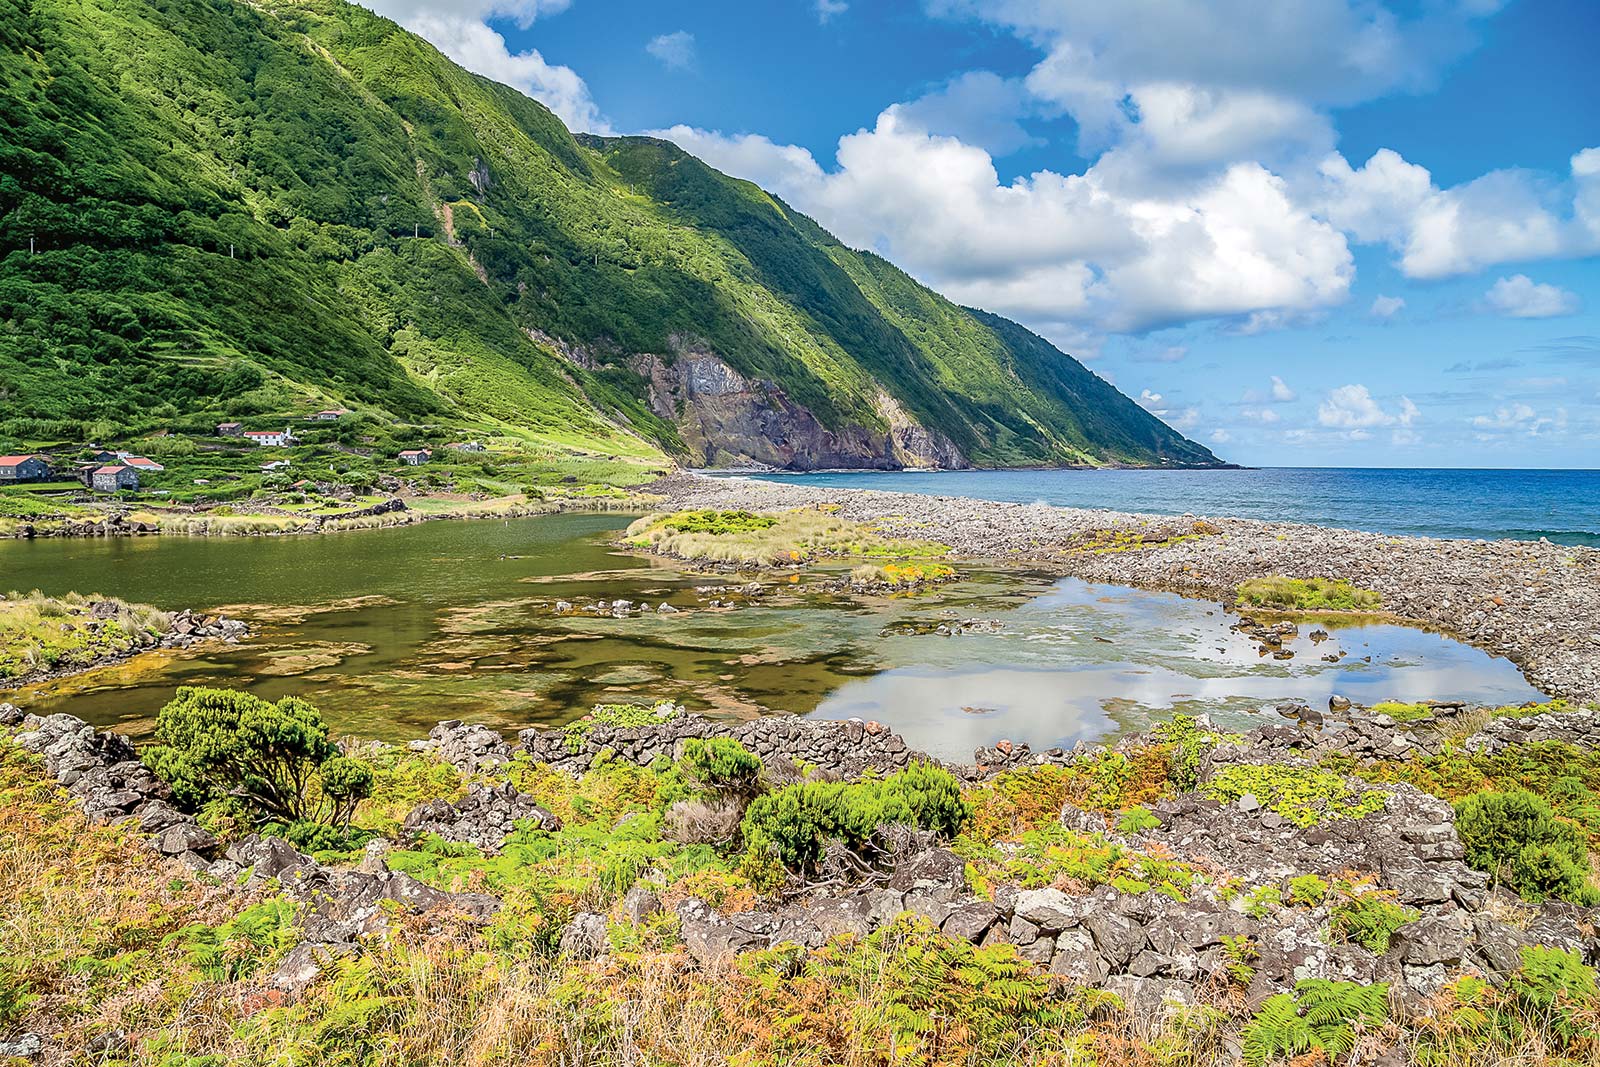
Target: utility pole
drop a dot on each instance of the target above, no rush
(30, 246)
(230, 251)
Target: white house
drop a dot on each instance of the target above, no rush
(270, 438)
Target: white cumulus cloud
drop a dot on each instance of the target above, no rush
(827, 10)
(1092, 249)
(1520, 297)
(1353, 408)
(460, 29)
(1502, 217)
(1385, 308)
(676, 50)
(1518, 418)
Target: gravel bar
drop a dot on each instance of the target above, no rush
(1534, 602)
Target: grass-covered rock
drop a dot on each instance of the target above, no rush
(790, 537)
(40, 634)
(1277, 593)
(704, 958)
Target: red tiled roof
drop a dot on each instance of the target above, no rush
(12, 461)
(111, 470)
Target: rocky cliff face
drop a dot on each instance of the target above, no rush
(728, 420)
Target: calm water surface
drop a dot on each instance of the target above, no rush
(1562, 505)
(391, 631)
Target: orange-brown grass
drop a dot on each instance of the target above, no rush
(84, 911)
(1014, 802)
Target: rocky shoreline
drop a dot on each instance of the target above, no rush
(387, 514)
(1153, 949)
(1536, 603)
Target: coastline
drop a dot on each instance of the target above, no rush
(1530, 601)
(281, 524)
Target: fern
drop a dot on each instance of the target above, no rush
(1276, 1032)
(1322, 1014)
(1239, 951)
(1556, 987)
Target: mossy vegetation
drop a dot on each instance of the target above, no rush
(1304, 796)
(1403, 713)
(788, 538)
(40, 634)
(1053, 854)
(1278, 593)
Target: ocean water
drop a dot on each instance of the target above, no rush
(1562, 505)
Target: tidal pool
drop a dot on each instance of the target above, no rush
(390, 631)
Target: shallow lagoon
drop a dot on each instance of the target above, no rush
(391, 631)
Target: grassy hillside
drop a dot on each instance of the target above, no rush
(266, 209)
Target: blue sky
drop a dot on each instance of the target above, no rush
(1356, 232)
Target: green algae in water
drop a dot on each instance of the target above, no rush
(391, 631)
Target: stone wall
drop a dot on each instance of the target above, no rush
(843, 748)
(1581, 728)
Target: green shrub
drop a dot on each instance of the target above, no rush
(793, 823)
(721, 764)
(1516, 837)
(345, 783)
(213, 744)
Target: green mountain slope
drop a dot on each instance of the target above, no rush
(268, 208)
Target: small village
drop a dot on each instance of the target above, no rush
(280, 474)
(115, 471)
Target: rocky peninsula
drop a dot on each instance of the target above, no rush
(45, 638)
(1536, 603)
